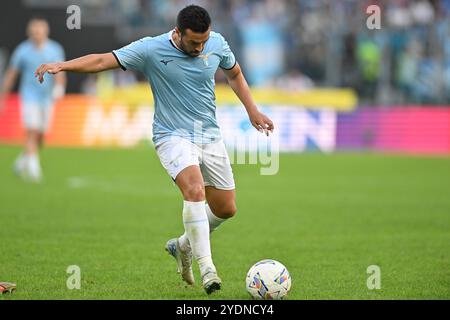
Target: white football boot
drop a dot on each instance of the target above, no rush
(183, 259)
(211, 281)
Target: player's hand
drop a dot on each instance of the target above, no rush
(261, 122)
(51, 68)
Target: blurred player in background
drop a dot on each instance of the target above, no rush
(180, 66)
(36, 100)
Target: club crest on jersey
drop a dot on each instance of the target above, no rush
(205, 58)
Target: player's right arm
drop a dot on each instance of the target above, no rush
(90, 63)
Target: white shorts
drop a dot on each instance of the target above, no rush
(177, 154)
(35, 116)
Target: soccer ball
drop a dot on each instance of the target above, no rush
(268, 279)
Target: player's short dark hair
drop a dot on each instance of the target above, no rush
(38, 18)
(195, 18)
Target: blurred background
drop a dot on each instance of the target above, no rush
(297, 44)
(319, 55)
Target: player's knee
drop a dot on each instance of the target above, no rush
(195, 192)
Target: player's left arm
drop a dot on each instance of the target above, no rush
(237, 82)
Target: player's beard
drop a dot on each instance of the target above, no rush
(193, 54)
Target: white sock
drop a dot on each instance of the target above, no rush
(33, 166)
(205, 263)
(183, 240)
(214, 223)
(196, 225)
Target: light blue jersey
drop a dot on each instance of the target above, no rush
(26, 59)
(182, 86)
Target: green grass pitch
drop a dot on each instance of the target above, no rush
(326, 217)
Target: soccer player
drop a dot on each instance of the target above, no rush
(36, 100)
(180, 67)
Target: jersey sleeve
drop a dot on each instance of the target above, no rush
(227, 61)
(132, 56)
(17, 59)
